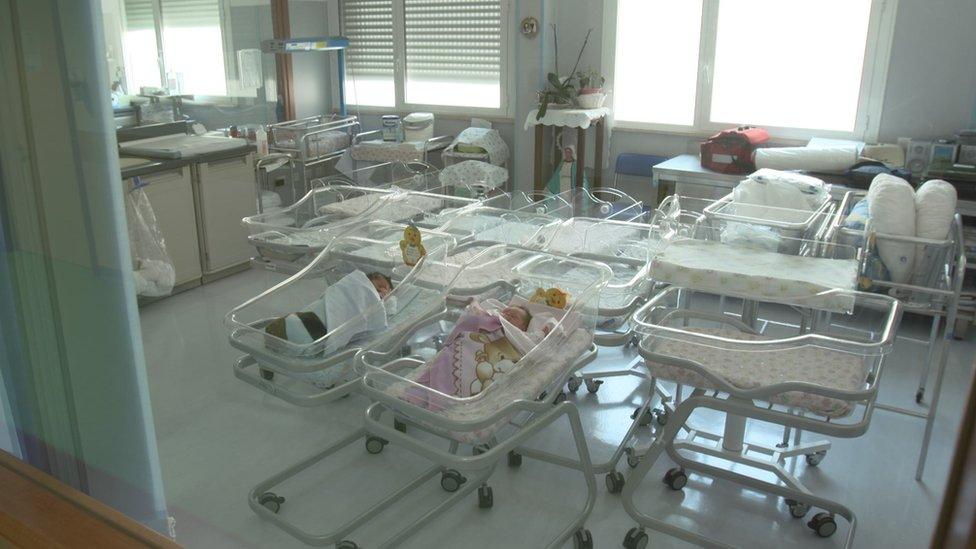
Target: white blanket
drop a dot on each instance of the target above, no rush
(347, 308)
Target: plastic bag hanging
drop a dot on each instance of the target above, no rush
(152, 267)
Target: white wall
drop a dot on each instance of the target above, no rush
(931, 88)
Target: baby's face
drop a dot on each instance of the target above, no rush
(382, 286)
(517, 316)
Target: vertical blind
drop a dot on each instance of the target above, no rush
(368, 24)
(450, 40)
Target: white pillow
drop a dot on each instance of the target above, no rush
(891, 205)
(935, 206)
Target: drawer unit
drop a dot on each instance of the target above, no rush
(225, 194)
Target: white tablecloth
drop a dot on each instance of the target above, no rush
(570, 118)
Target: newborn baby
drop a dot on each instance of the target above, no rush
(341, 302)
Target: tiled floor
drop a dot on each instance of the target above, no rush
(218, 437)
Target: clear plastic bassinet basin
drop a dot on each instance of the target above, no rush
(413, 176)
(825, 363)
(312, 222)
(501, 225)
(333, 210)
(538, 374)
(783, 230)
(367, 251)
(623, 246)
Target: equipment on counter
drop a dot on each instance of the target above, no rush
(418, 126)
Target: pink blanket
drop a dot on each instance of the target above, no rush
(473, 354)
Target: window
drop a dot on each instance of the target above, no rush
(727, 62)
(189, 58)
(437, 54)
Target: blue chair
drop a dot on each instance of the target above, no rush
(639, 166)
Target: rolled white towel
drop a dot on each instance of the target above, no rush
(935, 207)
(891, 206)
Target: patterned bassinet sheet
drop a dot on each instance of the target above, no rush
(749, 369)
(754, 274)
(522, 383)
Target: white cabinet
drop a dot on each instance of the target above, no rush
(171, 196)
(225, 194)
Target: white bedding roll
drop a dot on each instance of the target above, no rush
(815, 159)
(891, 205)
(935, 206)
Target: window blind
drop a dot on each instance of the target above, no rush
(450, 40)
(190, 13)
(368, 24)
(139, 15)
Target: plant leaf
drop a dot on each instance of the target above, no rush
(543, 107)
(554, 80)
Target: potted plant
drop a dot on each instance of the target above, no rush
(561, 91)
(590, 81)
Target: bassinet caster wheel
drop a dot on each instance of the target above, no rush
(346, 544)
(645, 416)
(399, 425)
(823, 524)
(271, 501)
(559, 398)
(635, 539)
(583, 539)
(593, 385)
(374, 445)
(574, 384)
(662, 415)
(615, 482)
(479, 449)
(633, 460)
(815, 458)
(267, 375)
(676, 478)
(514, 459)
(451, 480)
(797, 509)
(486, 498)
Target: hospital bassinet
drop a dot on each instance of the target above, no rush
(621, 245)
(329, 211)
(414, 176)
(810, 369)
(694, 255)
(531, 387)
(325, 361)
(323, 213)
(934, 289)
(537, 376)
(314, 141)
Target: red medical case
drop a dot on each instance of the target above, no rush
(730, 151)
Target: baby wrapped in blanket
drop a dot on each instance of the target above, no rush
(487, 341)
(344, 312)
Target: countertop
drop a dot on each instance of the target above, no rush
(155, 165)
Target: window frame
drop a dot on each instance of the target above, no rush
(874, 75)
(505, 111)
(230, 56)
